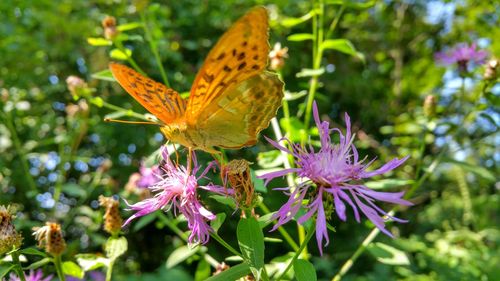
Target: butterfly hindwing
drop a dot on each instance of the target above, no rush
(239, 54)
(234, 119)
(161, 101)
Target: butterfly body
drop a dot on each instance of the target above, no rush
(232, 98)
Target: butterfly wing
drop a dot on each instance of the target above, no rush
(164, 103)
(234, 119)
(238, 55)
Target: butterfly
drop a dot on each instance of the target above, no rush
(232, 98)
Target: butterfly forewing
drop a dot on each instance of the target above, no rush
(238, 55)
(161, 101)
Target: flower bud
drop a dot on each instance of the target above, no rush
(50, 236)
(278, 56)
(109, 25)
(75, 84)
(237, 173)
(430, 106)
(112, 219)
(491, 71)
(9, 238)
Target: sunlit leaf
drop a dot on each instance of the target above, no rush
(306, 72)
(116, 247)
(119, 54)
(233, 273)
(388, 255)
(129, 26)
(179, 255)
(90, 262)
(251, 242)
(99, 41)
(300, 37)
(72, 269)
(105, 75)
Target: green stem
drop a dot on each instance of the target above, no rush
(172, 226)
(298, 253)
(59, 270)
(130, 60)
(18, 268)
(109, 271)
(154, 48)
(225, 244)
(20, 150)
(373, 234)
(101, 103)
(288, 238)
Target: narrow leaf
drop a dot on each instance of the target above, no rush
(119, 54)
(4, 269)
(99, 41)
(304, 270)
(39, 263)
(33, 252)
(306, 72)
(251, 242)
(90, 262)
(342, 45)
(387, 183)
(300, 37)
(72, 269)
(105, 75)
(234, 273)
(388, 255)
(179, 255)
(129, 26)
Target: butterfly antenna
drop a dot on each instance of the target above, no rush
(190, 160)
(133, 122)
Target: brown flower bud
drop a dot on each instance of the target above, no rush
(430, 106)
(112, 219)
(278, 56)
(109, 25)
(491, 71)
(50, 236)
(9, 238)
(237, 173)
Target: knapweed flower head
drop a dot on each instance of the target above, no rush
(177, 190)
(332, 177)
(50, 237)
(9, 238)
(32, 276)
(148, 176)
(112, 219)
(462, 55)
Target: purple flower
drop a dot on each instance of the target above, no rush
(33, 276)
(462, 54)
(177, 189)
(333, 177)
(149, 176)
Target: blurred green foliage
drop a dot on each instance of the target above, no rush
(57, 155)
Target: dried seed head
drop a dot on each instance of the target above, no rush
(430, 106)
(237, 173)
(50, 236)
(109, 25)
(491, 71)
(278, 56)
(112, 219)
(9, 238)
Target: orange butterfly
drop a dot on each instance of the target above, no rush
(232, 98)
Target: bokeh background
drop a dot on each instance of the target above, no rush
(57, 155)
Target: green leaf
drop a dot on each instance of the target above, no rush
(119, 54)
(290, 22)
(269, 159)
(295, 127)
(4, 269)
(99, 41)
(297, 37)
(219, 220)
(142, 222)
(97, 101)
(129, 26)
(179, 255)
(32, 252)
(115, 247)
(251, 242)
(105, 75)
(304, 270)
(290, 96)
(388, 255)
(265, 220)
(475, 169)
(342, 45)
(39, 263)
(202, 271)
(257, 183)
(387, 183)
(234, 273)
(90, 262)
(352, 4)
(72, 269)
(307, 72)
(225, 200)
(74, 190)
